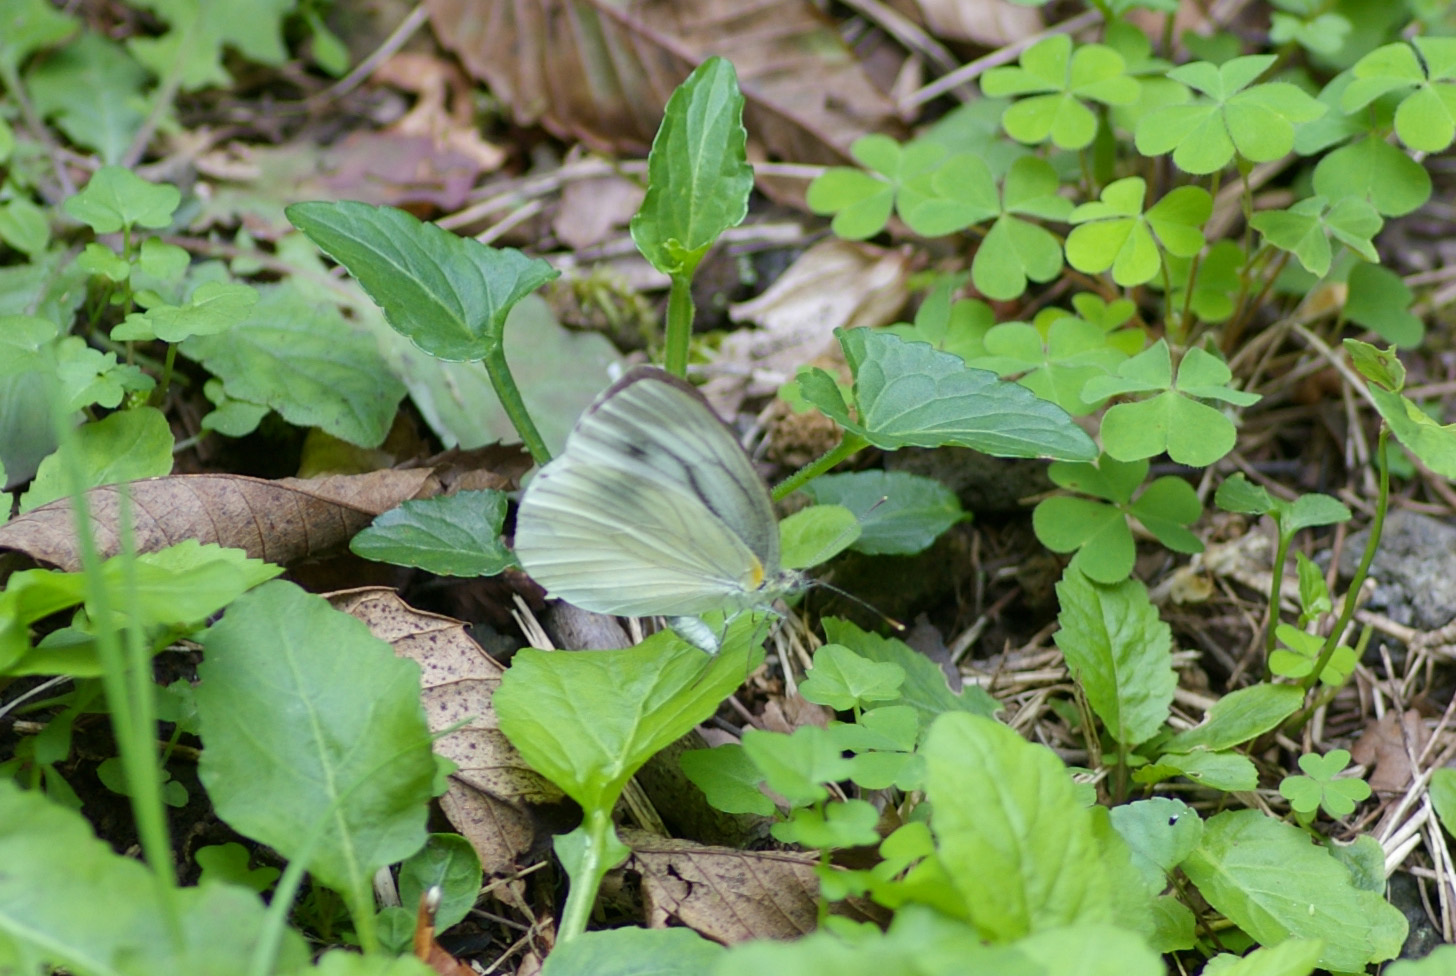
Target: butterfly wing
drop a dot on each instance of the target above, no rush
(652, 508)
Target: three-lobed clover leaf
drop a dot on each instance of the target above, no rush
(957, 327)
(1425, 69)
(1235, 116)
(1173, 419)
(1056, 364)
(1367, 165)
(1015, 249)
(1115, 233)
(1098, 531)
(1322, 786)
(1299, 652)
(117, 199)
(861, 202)
(1305, 230)
(1308, 24)
(1059, 82)
(1239, 494)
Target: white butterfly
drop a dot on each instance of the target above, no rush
(653, 508)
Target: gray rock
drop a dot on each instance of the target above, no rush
(1414, 569)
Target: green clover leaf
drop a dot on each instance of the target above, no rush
(957, 327)
(1299, 652)
(1115, 233)
(844, 680)
(1322, 786)
(1305, 230)
(1235, 116)
(1098, 531)
(861, 202)
(1172, 420)
(1059, 82)
(1055, 366)
(1426, 117)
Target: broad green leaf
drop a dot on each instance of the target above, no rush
(728, 778)
(843, 680)
(1238, 494)
(1292, 957)
(192, 49)
(24, 226)
(316, 743)
(632, 951)
(1161, 832)
(1272, 882)
(955, 327)
(1235, 116)
(449, 535)
(215, 307)
(861, 203)
(93, 90)
(304, 360)
(1239, 717)
(1380, 301)
(698, 177)
(1226, 771)
(27, 26)
(449, 295)
(797, 766)
(1120, 652)
(231, 417)
(1380, 366)
(117, 199)
(1443, 797)
(1441, 961)
(1026, 856)
(899, 513)
(450, 862)
(1321, 33)
(1433, 443)
(909, 394)
(816, 534)
(1314, 509)
(67, 899)
(925, 688)
(587, 722)
(1059, 82)
(1305, 230)
(1216, 284)
(124, 446)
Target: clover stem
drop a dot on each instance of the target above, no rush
(1352, 595)
(850, 445)
(1281, 555)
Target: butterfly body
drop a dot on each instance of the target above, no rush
(652, 508)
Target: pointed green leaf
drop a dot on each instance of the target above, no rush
(450, 535)
(124, 446)
(899, 513)
(93, 90)
(1239, 717)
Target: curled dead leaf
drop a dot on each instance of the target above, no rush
(280, 521)
(492, 788)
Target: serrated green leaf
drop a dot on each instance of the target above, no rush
(304, 360)
(588, 722)
(698, 177)
(1433, 443)
(1226, 771)
(1273, 883)
(898, 513)
(450, 535)
(1120, 652)
(316, 741)
(449, 295)
(93, 90)
(124, 446)
(117, 199)
(1379, 366)
(909, 394)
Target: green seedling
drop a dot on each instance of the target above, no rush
(1321, 786)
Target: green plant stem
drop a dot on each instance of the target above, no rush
(127, 679)
(165, 382)
(509, 395)
(850, 445)
(1281, 554)
(679, 330)
(1352, 595)
(597, 826)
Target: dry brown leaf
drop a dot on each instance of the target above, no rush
(492, 787)
(725, 894)
(991, 23)
(602, 70)
(281, 521)
(1386, 747)
(835, 284)
(591, 210)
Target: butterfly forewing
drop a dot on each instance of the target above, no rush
(652, 508)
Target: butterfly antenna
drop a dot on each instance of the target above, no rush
(899, 627)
